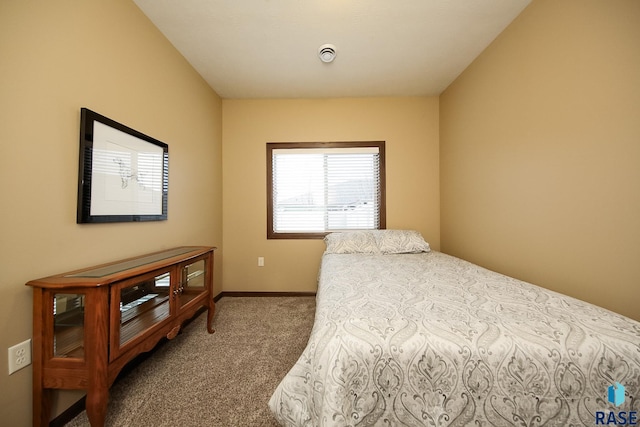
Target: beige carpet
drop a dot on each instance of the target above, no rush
(224, 379)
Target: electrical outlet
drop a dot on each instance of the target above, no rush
(260, 261)
(19, 356)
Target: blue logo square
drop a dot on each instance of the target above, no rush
(616, 394)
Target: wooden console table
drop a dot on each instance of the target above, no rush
(88, 324)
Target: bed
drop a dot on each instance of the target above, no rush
(406, 336)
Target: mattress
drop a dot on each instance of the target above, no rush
(428, 339)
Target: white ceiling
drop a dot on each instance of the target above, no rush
(268, 48)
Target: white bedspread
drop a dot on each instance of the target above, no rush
(431, 340)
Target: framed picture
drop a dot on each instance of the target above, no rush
(123, 174)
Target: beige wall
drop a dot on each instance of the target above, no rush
(408, 125)
(540, 152)
(59, 56)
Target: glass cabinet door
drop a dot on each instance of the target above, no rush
(143, 304)
(68, 325)
(192, 282)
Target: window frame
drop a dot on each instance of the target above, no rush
(380, 145)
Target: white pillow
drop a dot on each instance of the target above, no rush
(376, 242)
(351, 242)
(400, 242)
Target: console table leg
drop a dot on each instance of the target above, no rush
(211, 310)
(41, 406)
(96, 405)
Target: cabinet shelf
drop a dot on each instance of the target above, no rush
(88, 324)
(137, 319)
(69, 342)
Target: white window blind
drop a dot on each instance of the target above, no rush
(325, 189)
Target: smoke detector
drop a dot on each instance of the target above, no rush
(327, 53)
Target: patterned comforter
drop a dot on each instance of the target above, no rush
(431, 340)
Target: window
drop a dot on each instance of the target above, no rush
(318, 187)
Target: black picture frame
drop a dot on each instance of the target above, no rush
(123, 174)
